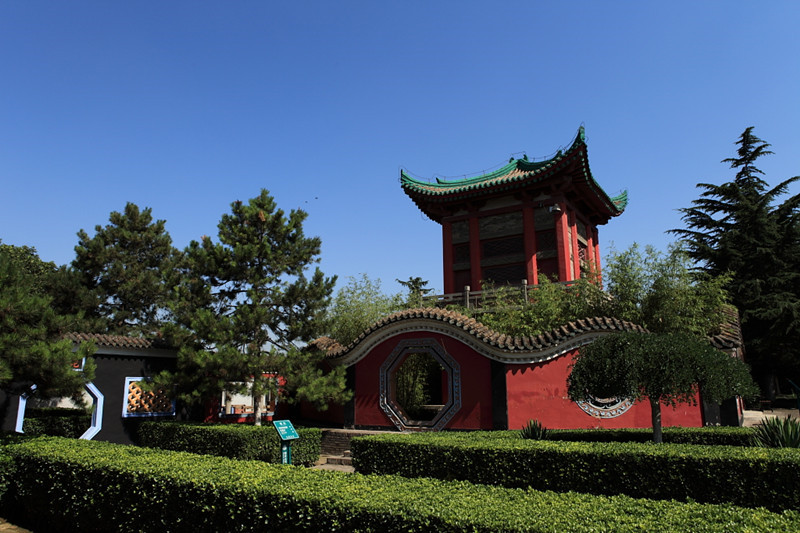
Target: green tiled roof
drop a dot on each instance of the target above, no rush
(517, 174)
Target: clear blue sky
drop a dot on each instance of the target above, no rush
(185, 107)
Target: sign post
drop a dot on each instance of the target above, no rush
(287, 433)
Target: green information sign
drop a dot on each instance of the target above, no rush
(286, 430)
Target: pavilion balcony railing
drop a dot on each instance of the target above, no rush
(485, 298)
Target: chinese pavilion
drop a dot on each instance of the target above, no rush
(519, 221)
(509, 226)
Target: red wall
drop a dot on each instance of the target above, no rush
(539, 392)
(476, 395)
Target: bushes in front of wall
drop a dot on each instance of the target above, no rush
(236, 441)
(707, 436)
(749, 477)
(56, 422)
(65, 485)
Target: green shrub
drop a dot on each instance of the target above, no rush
(774, 432)
(6, 471)
(235, 441)
(749, 477)
(56, 422)
(63, 412)
(71, 485)
(709, 436)
(534, 431)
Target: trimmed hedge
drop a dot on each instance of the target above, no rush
(707, 436)
(65, 485)
(56, 422)
(749, 477)
(235, 441)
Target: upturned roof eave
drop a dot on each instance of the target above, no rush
(423, 193)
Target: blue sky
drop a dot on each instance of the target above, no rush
(185, 107)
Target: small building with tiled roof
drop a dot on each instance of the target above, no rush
(525, 219)
(119, 403)
(482, 379)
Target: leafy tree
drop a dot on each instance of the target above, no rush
(27, 261)
(664, 368)
(655, 290)
(356, 306)
(32, 351)
(125, 267)
(661, 292)
(750, 230)
(248, 306)
(547, 306)
(416, 291)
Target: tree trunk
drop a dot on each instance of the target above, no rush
(228, 402)
(655, 415)
(768, 385)
(258, 408)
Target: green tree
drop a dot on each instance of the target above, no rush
(751, 230)
(27, 261)
(416, 291)
(248, 307)
(32, 350)
(125, 266)
(547, 306)
(358, 305)
(664, 368)
(71, 297)
(661, 292)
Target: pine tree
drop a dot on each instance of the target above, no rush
(32, 350)
(125, 266)
(248, 307)
(743, 228)
(416, 291)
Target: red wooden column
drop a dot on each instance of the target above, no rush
(529, 236)
(447, 257)
(562, 242)
(596, 255)
(576, 258)
(590, 249)
(474, 253)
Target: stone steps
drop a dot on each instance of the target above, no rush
(337, 441)
(334, 453)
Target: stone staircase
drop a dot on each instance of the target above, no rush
(334, 453)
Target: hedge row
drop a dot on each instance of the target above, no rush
(705, 436)
(56, 422)
(61, 412)
(749, 477)
(708, 436)
(235, 441)
(63, 485)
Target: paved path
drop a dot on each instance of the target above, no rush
(753, 418)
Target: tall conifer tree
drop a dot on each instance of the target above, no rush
(744, 228)
(32, 350)
(125, 265)
(249, 306)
